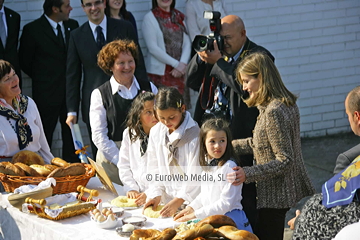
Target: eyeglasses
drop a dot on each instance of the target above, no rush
(9, 78)
(95, 4)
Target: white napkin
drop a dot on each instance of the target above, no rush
(31, 188)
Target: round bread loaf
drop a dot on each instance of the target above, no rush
(51, 167)
(28, 157)
(217, 221)
(41, 169)
(59, 162)
(74, 169)
(10, 169)
(28, 170)
(123, 201)
(149, 212)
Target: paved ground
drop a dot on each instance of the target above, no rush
(319, 156)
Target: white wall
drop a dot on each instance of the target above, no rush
(316, 44)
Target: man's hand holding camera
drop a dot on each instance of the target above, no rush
(210, 56)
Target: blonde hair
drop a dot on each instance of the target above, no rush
(260, 66)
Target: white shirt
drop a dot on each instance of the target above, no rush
(4, 20)
(98, 122)
(219, 197)
(131, 165)
(158, 162)
(195, 21)
(54, 26)
(8, 138)
(350, 232)
(102, 25)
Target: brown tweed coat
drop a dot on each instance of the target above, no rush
(278, 169)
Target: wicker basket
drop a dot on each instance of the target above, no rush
(67, 212)
(63, 184)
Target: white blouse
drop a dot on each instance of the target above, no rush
(98, 122)
(131, 165)
(8, 138)
(195, 21)
(220, 196)
(158, 163)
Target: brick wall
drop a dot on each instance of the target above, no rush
(316, 44)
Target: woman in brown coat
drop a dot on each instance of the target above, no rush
(279, 169)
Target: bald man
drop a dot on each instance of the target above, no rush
(212, 74)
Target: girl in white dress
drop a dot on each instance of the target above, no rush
(218, 196)
(132, 155)
(173, 151)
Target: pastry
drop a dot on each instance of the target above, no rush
(27, 157)
(233, 233)
(59, 162)
(41, 169)
(149, 212)
(123, 201)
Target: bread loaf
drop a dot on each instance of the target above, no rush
(217, 221)
(28, 170)
(51, 167)
(41, 169)
(199, 231)
(71, 170)
(27, 157)
(10, 169)
(233, 233)
(144, 234)
(59, 162)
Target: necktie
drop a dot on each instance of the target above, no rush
(100, 39)
(60, 36)
(2, 30)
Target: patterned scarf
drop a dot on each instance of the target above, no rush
(22, 127)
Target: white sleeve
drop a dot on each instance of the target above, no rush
(125, 173)
(226, 199)
(149, 28)
(99, 129)
(186, 49)
(44, 146)
(191, 22)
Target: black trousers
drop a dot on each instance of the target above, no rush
(271, 224)
(50, 115)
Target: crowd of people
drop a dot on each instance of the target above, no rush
(246, 124)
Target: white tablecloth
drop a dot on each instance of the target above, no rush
(16, 225)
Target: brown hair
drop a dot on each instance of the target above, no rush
(260, 66)
(353, 100)
(216, 124)
(110, 52)
(168, 97)
(133, 116)
(5, 68)
(155, 4)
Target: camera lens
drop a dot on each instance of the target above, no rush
(202, 43)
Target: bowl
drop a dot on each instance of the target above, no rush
(137, 221)
(108, 223)
(118, 211)
(119, 231)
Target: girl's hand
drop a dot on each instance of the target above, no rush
(180, 216)
(237, 177)
(171, 207)
(141, 199)
(132, 194)
(152, 202)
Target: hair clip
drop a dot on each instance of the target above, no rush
(179, 104)
(143, 91)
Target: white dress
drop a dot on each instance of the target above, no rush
(8, 138)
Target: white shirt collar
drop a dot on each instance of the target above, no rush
(53, 23)
(2, 9)
(116, 87)
(102, 25)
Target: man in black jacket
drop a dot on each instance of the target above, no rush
(212, 73)
(43, 53)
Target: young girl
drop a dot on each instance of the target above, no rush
(220, 196)
(172, 152)
(132, 156)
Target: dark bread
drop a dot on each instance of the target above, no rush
(27, 157)
(28, 170)
(10, 169)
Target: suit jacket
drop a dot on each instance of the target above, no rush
(82, 59)
(243, 118)
(44, 60)
(10, 52)
(344, 159)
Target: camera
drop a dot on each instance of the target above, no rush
(201, 42)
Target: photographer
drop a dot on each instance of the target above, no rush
(211, 72)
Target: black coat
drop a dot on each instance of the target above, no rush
(82, 59)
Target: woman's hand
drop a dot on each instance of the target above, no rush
(185, 215)
(171, 207)
(181, 68)
(152, 202)
(237, 177)
(132, 194)
(291, 222)
(141, 199)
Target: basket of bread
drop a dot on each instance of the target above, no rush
(63, 205)
(28, 167)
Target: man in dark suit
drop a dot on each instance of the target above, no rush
(85, 43)
(43, 54)
(212, 73)
(9, 52)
